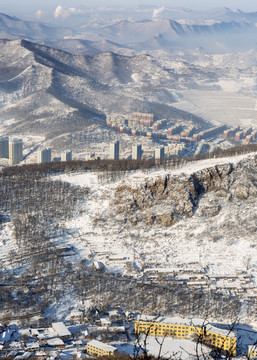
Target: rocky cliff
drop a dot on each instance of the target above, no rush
(167, 199)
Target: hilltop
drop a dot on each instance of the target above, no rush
(110, 230)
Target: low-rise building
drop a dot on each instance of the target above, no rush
(61, 330)
(97, 348)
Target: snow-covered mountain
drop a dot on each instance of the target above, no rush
(50, 92)
(200, 16)
(128, 31)
(88, 47)
(14, 28)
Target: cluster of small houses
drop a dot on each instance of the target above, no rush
(197, 277)
(34, 343)
(60, 340)
(76, 340)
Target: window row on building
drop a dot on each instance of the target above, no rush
(208, 335)
(97, 348)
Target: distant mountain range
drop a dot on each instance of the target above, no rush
(14, 28)
(127, 31)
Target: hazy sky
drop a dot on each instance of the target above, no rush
(32, 5)
(44, 9)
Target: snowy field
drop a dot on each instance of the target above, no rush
(220, 107)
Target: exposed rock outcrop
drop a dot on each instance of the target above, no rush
(166, 199)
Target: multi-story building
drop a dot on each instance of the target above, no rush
(143, 119)
(115, 150)
(97, 348)
(15, 151)
(247, 131)
(66, 155)
(44, 156)
(159, 153)
(215, 131)
(136, 152)
(230, 132)
(182, 328)
(252, 352)
(4, 147)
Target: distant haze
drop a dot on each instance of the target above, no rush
(16, 7)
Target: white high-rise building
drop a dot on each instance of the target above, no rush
(66, 155)
(15, 151)
(159, 153)
(4, 147)
(44, 156)
(136, 152)
(115, 150)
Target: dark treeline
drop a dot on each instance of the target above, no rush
(47, 169)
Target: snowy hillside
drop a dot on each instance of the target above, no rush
(55, 94)
(208, 233)
(187, 232)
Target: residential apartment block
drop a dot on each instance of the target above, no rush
(15, 151)
(188, 329)
(4, 147)
(159, 153)
(66, 155)
(44, 156)
(115, 150)
(136, 152)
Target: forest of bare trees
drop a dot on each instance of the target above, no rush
(38, 274)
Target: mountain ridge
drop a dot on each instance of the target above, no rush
(54, 92)
(15, 28)
(169, 29)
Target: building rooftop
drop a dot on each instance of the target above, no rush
(101, 345)
(61, 329)
(55, 342)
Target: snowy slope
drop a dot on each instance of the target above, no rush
(102, 233)
(214, 241)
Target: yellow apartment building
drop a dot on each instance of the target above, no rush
(188, 329)
(252, 352)
(97, 348)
